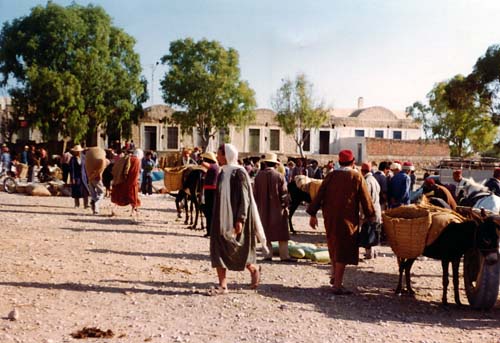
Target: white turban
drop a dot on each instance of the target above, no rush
(138, 153)
(231, 154)
(395, 166)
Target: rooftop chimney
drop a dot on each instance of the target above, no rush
(361, 102)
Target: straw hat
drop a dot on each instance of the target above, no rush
(77, 148)
(270, 157)
(209, 156)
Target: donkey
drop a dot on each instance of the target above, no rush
(479, 196)
(297, 196)
(450, 246)
(191, 192)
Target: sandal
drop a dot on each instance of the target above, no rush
(255, 278)
(217, 291)
(341, 291)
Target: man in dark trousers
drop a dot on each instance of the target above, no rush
(32, 161)
(209, 186)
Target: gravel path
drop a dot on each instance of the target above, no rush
(64, 269)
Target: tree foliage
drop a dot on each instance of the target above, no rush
(296, 110)
(456, 114)
(203, 84)
(73, 70)
(486, 77)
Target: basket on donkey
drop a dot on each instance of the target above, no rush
(407, 228)
(173, 178)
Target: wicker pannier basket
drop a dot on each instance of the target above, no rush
(406, 228)
(173, 178)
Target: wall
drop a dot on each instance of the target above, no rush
(420, 152)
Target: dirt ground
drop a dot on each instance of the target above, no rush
(64, 269)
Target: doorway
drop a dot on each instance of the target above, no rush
(150, 136)
(324, 142)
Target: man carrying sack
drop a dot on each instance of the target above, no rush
(95, 163)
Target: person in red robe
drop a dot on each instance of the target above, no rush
(127, 192)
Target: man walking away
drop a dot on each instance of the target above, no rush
(340, 196)
(272, 202)
(95, 163)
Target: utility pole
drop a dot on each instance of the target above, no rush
(153, 69)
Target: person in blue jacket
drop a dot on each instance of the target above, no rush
(399, 187)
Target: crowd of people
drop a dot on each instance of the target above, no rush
(30, 157)
(348, 197)
(245, 201)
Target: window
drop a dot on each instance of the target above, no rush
(274, 143)
(396, 135)
(359, 133)
(306, 136)
(173, 137)
(254, 140)
(379, 134)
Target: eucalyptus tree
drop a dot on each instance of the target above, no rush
(296, 110)
(456, 114)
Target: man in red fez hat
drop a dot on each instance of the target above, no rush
(340, 196)
(346, 156)
(493, 183)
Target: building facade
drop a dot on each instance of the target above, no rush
(354, 129)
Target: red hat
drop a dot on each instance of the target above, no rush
(408, 166)
(346, 156)
(430, 181)
(365, 167)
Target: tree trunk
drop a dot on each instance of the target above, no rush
(91, 136)
(65, 144)
(299, 145)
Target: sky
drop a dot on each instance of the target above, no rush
(390, 52)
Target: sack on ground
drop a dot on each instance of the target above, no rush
(37, 190)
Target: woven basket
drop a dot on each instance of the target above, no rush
(173, 178)
(407, 228)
